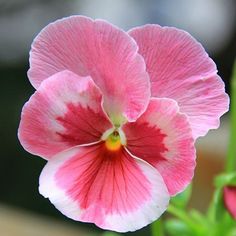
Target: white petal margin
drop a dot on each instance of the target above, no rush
(144, 215)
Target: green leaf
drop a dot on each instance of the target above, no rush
(181, 200)
(157, 228)
(224, 226)
(110, 234)
(217, 209)
(177, 227)
(225, 179)
(199, 218)
(183, 216)
(232, 232)
(218, 206)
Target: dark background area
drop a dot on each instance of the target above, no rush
(214, 25)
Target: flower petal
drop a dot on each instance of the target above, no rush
(111, 189)
(100, 50)
(162, 137)
(64, 112)
(230, 199)
(179, 68)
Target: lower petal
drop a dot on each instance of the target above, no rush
(109, 188)
(64, 112)
(162, 136)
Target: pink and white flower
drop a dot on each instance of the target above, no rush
(116, 115)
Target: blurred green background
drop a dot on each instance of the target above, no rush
(212, 22)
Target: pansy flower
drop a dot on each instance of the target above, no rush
(116, 115)
(229, 196)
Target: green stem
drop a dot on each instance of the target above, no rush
(231, 155)
(157, 228)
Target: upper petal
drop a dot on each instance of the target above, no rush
(98, 49)
(162, 137)
(64, 112)
(111, 189)
(180, 69)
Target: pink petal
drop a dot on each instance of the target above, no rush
(230, 200)
(100, 50)
(109, 188)
(64, 112)
(162, 137)
(180, 69)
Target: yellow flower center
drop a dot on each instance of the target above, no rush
(113, 142)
